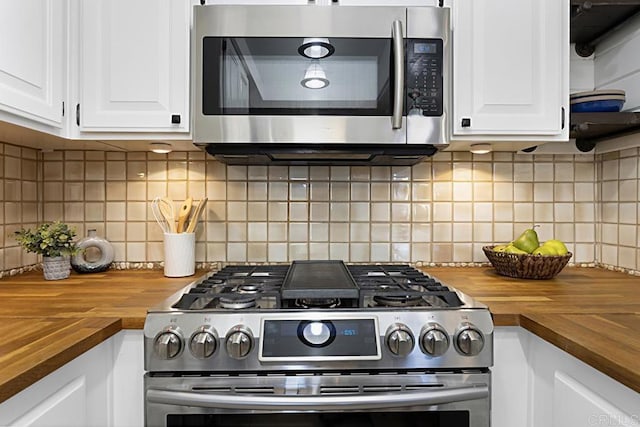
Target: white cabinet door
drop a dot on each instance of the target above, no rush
(565, 392)
(32, 35)
(510, 66)
(575, 404)
(536, 384)
(388, 3)
(261, 2)
(65, 407)
(102, 387)
(134, 62)
(77, 394)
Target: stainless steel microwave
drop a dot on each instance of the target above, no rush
(321, 84)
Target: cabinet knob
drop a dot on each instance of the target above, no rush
(466, 122)
(175, 119)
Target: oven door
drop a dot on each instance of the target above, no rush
(299, 74)
(443, 399)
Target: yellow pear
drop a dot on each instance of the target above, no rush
(560, 247)
(544, 250)
(511, 249)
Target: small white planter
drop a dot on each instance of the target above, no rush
(56, 268)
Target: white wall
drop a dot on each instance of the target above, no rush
(617, 62)
(581, 72)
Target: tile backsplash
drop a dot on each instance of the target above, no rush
(440, 211)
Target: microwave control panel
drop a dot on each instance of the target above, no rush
(424, 83)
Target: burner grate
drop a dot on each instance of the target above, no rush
(262, 287)
(396, 286)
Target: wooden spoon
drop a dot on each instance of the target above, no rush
(193, 222)
(183, 214)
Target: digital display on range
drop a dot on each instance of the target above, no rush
(320, 338)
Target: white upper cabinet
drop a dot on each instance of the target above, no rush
(511, 69)
(32, 58)
(134, 65)
(388, 2)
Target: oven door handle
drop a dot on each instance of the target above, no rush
(398, 68)
(317, 403)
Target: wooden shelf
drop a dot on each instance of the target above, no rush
(589, 128)
(592, 19)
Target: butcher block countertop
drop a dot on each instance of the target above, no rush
(46, 324)
(591, 313)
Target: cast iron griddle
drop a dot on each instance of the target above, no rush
(319, 279)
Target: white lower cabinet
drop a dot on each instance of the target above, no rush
(536, 384)
(568, 392)
(128, 371)
(509, 380)
(102, 387)
(576, 404)
(77, 394)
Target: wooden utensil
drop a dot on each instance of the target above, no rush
(166, 208)
(183, 214)
(159, 215)
(193, 222)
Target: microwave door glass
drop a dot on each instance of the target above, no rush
(297, 76)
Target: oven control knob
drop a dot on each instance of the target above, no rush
(434, 341)
(239, 342)
(399, 339)
(168, 344)
(469, 340)
(203, 342)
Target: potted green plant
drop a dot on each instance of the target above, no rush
(54, 241)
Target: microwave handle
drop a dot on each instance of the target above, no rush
(317, 403)
(398, 66)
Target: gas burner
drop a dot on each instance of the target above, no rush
(236, 301)
(249, 288)
(398, 300)
(213, 282)
(318, 302)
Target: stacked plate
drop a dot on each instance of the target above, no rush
(605, 100)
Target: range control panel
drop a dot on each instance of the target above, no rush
(424, 83)
(234, 341)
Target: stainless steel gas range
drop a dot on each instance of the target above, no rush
(318, 343)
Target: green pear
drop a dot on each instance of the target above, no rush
(560, 247)
(527, 241)
(499, 248)
(544, 250)
(511, 249)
